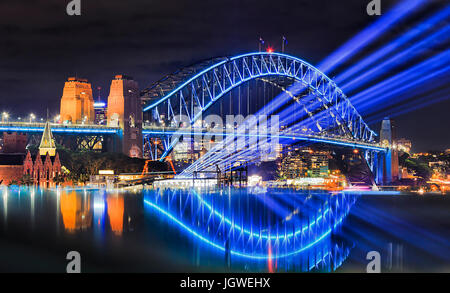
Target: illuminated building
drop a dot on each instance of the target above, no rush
(304, 163)
(293, 166)
(404, 145)
(42, 167)
(47, 142)
(14, 142)
(182, 150)
(77, 104)
(319, 164)
(45, 165)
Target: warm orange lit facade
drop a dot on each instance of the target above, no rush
(77, 104)
(14, 142)
(115, 213)
(75, 211)
(125, 111)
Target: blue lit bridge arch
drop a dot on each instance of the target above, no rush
(192, 91)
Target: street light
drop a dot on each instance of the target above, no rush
(5, 116)
(32, 117)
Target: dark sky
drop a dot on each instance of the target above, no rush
(40, 46)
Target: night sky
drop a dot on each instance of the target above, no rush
(41, 45)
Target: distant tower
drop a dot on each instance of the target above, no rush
(47, 143)
(388, 139)
(125, 111)
(77, 103)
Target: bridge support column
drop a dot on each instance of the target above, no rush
(125, 111)
(378, 168)
(387, 168)
(388, 139)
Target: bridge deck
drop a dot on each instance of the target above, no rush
(169, 131)
(58, 128)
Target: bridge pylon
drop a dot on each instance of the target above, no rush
(390, 159)
(125, 111)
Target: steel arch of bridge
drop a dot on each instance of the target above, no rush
(191, 91)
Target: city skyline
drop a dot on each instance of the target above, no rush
(96, 47)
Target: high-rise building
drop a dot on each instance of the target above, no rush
(77, 104)
(319, 164)
(100, 113)
(304, 163)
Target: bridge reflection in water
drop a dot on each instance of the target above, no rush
(240, 230)
(283, 230)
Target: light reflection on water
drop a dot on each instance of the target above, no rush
(281, 228)
(191, 230)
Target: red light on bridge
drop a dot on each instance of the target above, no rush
(270, 50)
(355, 151)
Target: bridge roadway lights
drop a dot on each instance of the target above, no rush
(315, 139)
(59, 128)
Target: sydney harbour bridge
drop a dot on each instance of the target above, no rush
(275, 99)
(281, 100)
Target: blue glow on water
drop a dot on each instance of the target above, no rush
(301, 228)
(235, 230)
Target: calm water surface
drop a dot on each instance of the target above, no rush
(242, 230)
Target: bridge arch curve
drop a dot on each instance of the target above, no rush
(193, 90)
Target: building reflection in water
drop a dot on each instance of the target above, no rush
(75, 210)
(115, 205)
(82, 211)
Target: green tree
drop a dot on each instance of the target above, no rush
(59, 179)
(26, 180)
(13, 182)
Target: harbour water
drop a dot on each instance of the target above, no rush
(237, 230)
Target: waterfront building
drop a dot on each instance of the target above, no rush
(293, 166)
(45, 165)
(297, 163)
(47, 145)
(319, 164)
(40, 167)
